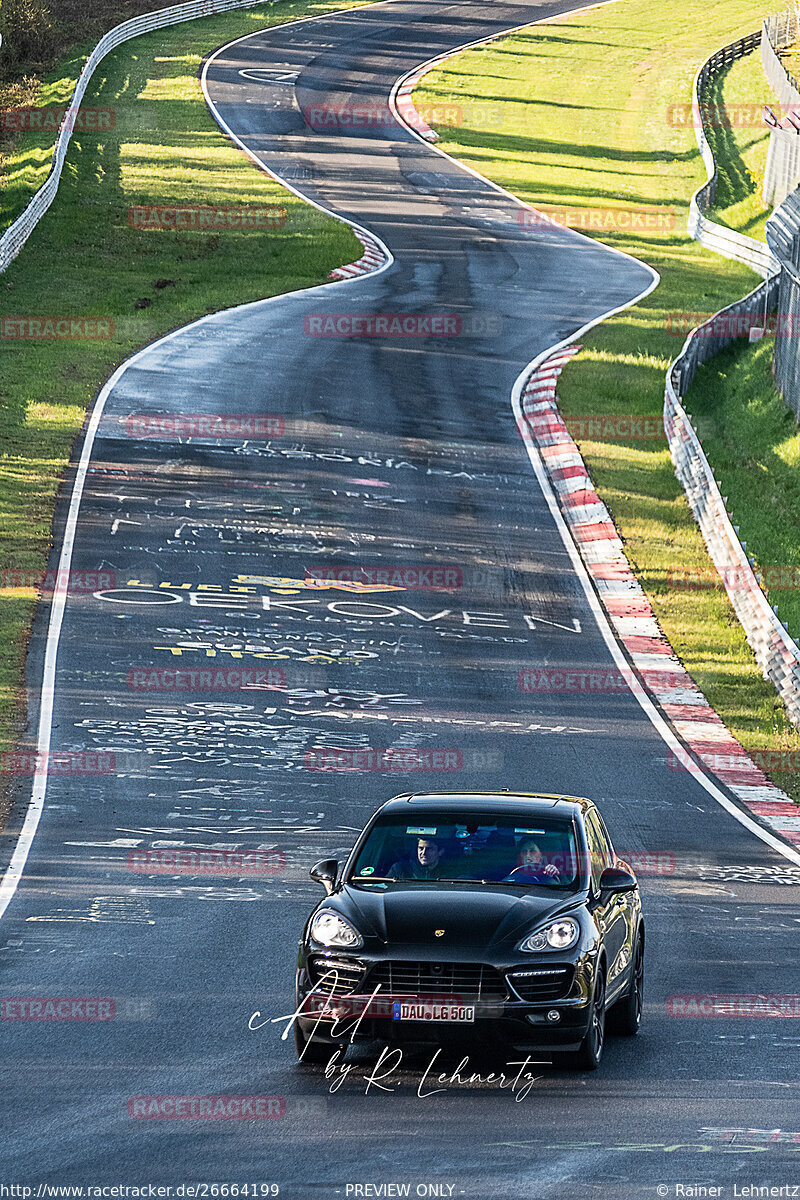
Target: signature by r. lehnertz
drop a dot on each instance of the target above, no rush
(390, 1062)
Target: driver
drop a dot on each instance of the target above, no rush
(531, 865)
(425, 863)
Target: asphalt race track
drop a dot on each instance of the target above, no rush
(385, 452)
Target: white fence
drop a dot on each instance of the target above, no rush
(709, 233)
(783, 238)
(782, 173)
(18, 233)
(780, 31)
(776, 652)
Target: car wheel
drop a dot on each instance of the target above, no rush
(626, 1014)
(587, 1057)
(313, 1051)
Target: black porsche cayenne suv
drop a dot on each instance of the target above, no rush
(503, 916)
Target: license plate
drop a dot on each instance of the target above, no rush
(459, 1014)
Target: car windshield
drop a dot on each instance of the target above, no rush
(478, 848)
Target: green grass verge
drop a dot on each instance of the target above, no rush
(85, 260)
(579, 114)
(752, 439)
(737, 96)
(43, 53)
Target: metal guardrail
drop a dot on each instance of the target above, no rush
(783, 238)
(708, 233)
(18, 233)
(777, 654)
(782, 172)
(778, 32)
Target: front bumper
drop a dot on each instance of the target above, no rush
(553, 1022)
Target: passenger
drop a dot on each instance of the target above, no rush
(426, 863)
(531, 866)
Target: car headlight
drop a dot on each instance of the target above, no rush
(558, 935)
(329, 929)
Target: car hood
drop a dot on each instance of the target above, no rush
(481, 916)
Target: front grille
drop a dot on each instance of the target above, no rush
(472, 980)
(542, 983)
(336, 977)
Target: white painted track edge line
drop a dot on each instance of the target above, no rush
(647, 705)
(657, 721)
(262, 166)
(30, 824)
(13, 873)
(439, 58)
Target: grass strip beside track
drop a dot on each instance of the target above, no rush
(752, 440)
(586, 118)
(739, 137)
(85, 260)
(748, 434)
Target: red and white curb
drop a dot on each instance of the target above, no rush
(372, 258)
(709, 742)
(405, 104)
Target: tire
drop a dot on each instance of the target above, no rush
(626, 1014)
(313, 1051)
(590, 1052)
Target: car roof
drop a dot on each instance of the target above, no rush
(507, 802)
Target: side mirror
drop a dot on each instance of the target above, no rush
(615, 880)
(325, 872)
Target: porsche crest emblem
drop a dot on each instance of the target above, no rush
(439, 932)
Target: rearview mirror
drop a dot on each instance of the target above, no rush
(325, 872)
(616, 880)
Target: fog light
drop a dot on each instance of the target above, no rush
(553, 1016)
